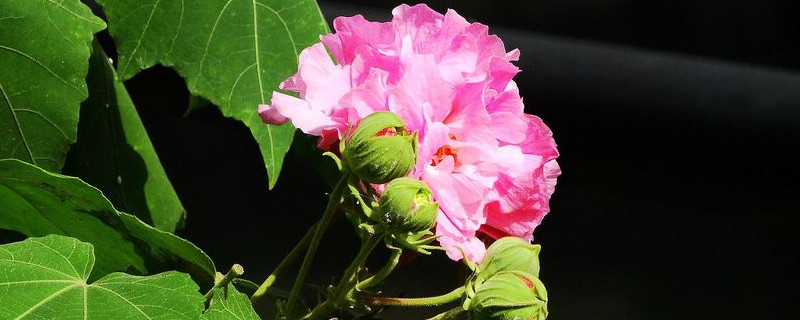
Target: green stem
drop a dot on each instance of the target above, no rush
(330, 209)
(347, 279)
(343, 289)
(449, 314)
(394, 258)
(321, 311)
(288, 260)
(235, 272)
(414, 302)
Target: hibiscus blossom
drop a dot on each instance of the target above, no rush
(490, 166)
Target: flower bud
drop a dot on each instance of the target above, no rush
(407, 206)
(381, 149)
(510, 295)
(510, 254)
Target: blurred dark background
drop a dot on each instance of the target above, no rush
(678, 124)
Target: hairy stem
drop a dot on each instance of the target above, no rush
(394, 258)
(347, 281)
(343, 290)
(327, 216)
(414, 302)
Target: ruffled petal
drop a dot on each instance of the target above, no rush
(302, 114)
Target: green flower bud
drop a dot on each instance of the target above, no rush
(510, 254)
(381, 149)
(510, 295)
(407, 206)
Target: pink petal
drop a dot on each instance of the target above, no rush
(306, 118)
(270, 115)
(458, 243)
(417, 15)
(325, 82)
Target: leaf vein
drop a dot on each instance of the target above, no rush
(10, 17)
(210, 36)
(41, 65)
(260, 86)
(47, 120)
(85, 302)
(45, 300)
(35, 281)
(16, 122)
(177, 30)
(28, 263)
(236, 83)
(34, 240)
(60, 5)
(126, 300)
(141, 36)
(284, 25)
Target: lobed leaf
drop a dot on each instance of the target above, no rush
(48, 278)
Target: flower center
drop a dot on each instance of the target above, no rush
(443, 152)
(393, 131)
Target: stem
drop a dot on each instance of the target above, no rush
(287, 261)
(321, 311)
(394, 258)
(346, 283)
(330, 209)
(342, 290)
(236, 271)
(414, 302)
(449, 314)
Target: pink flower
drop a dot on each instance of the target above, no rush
(491, 167)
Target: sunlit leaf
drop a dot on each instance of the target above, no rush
(48, 278)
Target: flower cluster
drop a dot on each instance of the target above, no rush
(490, 166)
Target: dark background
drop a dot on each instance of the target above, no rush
(678, 124)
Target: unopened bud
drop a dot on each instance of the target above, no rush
(510, 254)
(381, 149)
(407, 206)
(510, 295)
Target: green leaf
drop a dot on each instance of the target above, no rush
(35, 202)
(114, 153)
(232, 52)
(47, 278)
(229, 304)
(44, 48)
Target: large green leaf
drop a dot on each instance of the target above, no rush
(35, 202)
(114, 153)
(232, 52)
(47, 278)
(229, 304)
(44, 48)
